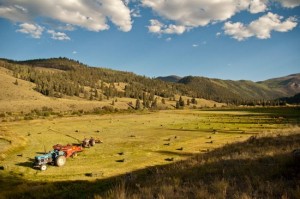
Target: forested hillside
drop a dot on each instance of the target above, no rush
(58, 77)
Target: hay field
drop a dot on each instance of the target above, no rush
(145, 139)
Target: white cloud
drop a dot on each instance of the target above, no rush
(218, 34)
(169, 39)
(260, 28)
(159, 28)
(155, 26)
(193, 13)
(289, 3)
(67, 27)
(58, 35)
(257, 6)
(195, 45)
(91, 15)
(33, 30)
(74, 52)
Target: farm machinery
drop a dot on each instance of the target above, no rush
(90, 142)
(57, 156)
(60, 152)
(53, 157)
(69, 150)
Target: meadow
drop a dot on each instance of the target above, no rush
(133, 143)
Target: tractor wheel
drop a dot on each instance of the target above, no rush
(60, 161)
(92, 142)
(43, 167)
(74, 155)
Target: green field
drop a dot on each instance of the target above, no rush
(145, 139)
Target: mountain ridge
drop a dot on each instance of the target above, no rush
(79, 75)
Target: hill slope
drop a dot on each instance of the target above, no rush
(228, 89)
(18, 95)
(77, 79)
(171, 78)
(288, 85)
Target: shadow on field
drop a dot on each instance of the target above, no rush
(41, 153)
(257, 168)
(28, 164)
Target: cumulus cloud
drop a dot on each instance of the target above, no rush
(33, 30)
(169, 39)
(195, 45)
(89, 14)
(160, 28)
(191, 14)
(58, 35)
(260, 28)
(257, 6)
(289, 3)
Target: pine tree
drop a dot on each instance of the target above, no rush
(154, 103)
(177, 105)
(137, 104)
(181, 101)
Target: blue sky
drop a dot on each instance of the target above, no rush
(229, 39)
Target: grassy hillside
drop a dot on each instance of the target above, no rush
(171, 78)
(288, 86)
(18, 95)
(77, 79)
(233, 90)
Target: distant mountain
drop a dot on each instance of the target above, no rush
(287, 86)
(229, 89)
(218, 89)
(76, 77)
(171, 78)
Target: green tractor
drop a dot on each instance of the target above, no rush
(53, 157)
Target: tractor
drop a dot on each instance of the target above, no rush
(70, 150)
(53, 157)
(88, 142)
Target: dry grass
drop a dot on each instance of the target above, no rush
(23, 97)
(180, 139)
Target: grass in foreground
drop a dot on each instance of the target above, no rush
(151, 139)
(257, 168)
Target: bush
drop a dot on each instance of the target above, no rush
(108, 109)
(28, 117)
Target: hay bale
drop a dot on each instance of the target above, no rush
(169, 159)
(99, 174)
(180, 149)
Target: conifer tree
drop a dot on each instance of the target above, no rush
(177, 105)
(137, 104)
